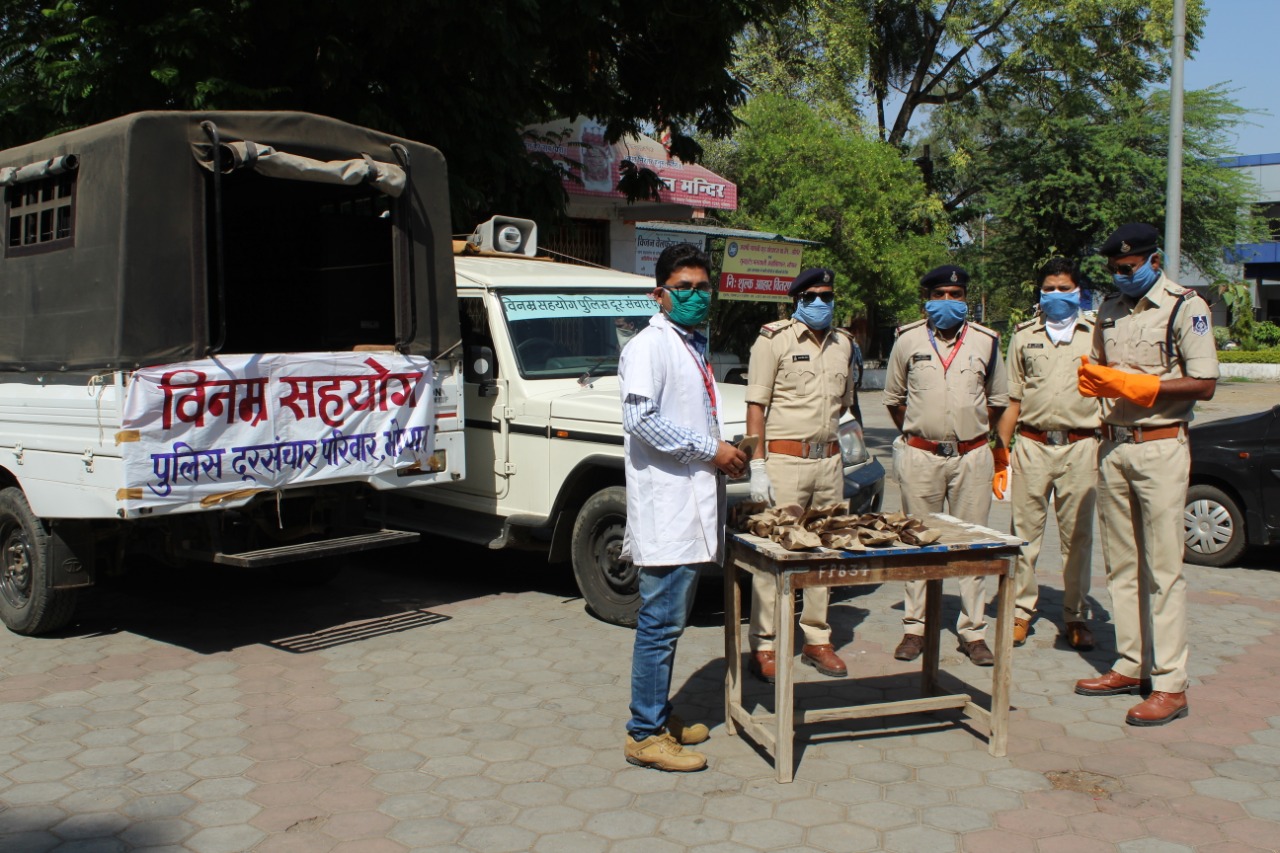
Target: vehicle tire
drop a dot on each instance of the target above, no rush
(610, 586)
(1213, 527)
(27, 605)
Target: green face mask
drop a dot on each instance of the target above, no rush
(689, 307)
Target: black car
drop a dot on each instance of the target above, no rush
(1234, 497)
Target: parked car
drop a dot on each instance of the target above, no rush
(1234, 497)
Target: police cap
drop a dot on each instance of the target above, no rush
(814, 277)
(1132, 238)
(945, 275)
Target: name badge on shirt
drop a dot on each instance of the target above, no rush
(922, 356)
(1108, 324)
(1035, 346)
(800, 358)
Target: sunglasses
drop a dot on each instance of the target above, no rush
(685, 287)
(1127, 269)
(808, 296)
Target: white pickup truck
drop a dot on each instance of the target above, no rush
(222, 332)
(544, 463)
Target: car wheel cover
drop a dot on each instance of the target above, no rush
(15, 568)
(1209, 527)
(606, 550)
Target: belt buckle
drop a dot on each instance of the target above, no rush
(947, 449)
(814, 450)
(1056, 437)
(1123, 435)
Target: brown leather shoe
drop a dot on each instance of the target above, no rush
(824, 659)
(763, 666)
(978, 652)
(686, 734)
(1021, 627)
(1160, 708)
(910, 647)
(1112, 684)
(1078, 636)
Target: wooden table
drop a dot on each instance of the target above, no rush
(964, 550)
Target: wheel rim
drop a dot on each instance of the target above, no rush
(15, 571)
(606, 553)
(1209, 527)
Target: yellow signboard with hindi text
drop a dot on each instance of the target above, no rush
(759, 269)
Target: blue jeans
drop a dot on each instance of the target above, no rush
(666, 599)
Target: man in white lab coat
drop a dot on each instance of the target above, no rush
(675, 465)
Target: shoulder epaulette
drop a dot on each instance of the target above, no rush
(1025, 324)
(978, 327)
(1110, 296)
(910, 326)
(768, 330)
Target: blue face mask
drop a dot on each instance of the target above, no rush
(689, 307)
(1058, 306)
(815, 315)
(1136, 286)
(946, 314)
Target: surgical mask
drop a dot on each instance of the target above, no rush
(1058, 306)
(946, 313)
(689, 307)
(815, 314)
(1136, 286)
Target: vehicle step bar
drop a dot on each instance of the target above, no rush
(311, 550)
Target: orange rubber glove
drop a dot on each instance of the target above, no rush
(1000, 481)
(1099, 381)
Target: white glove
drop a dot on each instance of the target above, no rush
(761, 487)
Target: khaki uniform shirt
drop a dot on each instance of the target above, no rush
(950, 404)
(803, 379)
(1044, 377)
(1137, 337)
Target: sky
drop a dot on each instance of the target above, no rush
(1237, 48)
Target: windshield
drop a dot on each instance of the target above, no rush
(566, 335)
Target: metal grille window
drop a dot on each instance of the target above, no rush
(40, 215)
(580, 241)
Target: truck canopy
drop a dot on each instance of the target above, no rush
(123, 248)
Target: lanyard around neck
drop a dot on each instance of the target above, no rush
(708, 378)
(946, 360)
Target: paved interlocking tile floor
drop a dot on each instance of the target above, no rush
(400, 710)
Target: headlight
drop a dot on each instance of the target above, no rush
(853, 449)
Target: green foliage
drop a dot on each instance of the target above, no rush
(1239, 299)
(1262, 356)
(1221, 336)
(1059, 183)
(461, 77)
(1267, 334)
(801, 174)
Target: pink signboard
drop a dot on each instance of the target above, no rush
(595, 165)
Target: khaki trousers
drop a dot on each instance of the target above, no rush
(1142, 491)
(963, 483)
(1070, 474)
(810, 483)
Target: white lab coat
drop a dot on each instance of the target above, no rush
(675, 511)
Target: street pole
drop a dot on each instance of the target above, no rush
(1173, 192)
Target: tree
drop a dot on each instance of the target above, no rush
(461, 77)
(802, 174)
(1059, 183)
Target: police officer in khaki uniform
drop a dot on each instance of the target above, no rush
(1057, 449)
(799, 382)
(1153, 358)
(945, 388)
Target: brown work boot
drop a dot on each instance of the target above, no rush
(661, 752)
(1112, 684)
(978, 652)
(1021, 627)
(685, 734)
(763, 666)
(824, 659)
(910, 647)
(1160, 708)
(1078, 636)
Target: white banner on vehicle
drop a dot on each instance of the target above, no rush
(201, 429)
